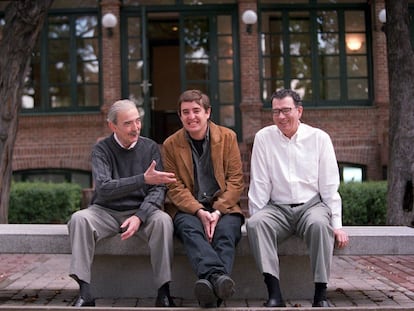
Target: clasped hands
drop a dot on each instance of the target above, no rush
(209, 221)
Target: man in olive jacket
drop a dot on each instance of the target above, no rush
(205, 159)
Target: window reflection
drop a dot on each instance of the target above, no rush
(328, 46)
(58, 27)
(225, 46)
(226, 93)
(71, 69)
(223, 24)
(225, 67)
(196, 69)
(2, 22)
(352, 172)
(86, 26)
(196, 36)
(227, 116)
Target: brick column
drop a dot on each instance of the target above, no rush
(250, 105)
(111, 56)
(381, 82)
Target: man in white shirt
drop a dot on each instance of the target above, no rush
(293, 190)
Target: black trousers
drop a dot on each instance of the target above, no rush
(207, 258)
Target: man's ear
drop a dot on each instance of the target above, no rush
(209, 112)
(300, 110)
(112, 126)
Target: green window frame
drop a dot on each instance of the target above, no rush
(323, 51)
(83, 178)
(351, 172)
(65, 71)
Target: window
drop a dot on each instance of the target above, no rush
(82, 178)
(352, 172)
(65, 69)
(320, 51)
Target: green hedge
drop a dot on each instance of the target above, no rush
(43, 203)
(37, 202)
(364, 203)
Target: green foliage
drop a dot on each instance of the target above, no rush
(364, 203)
(43, 203)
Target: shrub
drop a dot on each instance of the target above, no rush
(364, 203)
(40, 202)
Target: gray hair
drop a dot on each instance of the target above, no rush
(120, 105)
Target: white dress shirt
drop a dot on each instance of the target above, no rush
(292, 171)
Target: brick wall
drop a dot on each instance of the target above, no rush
(359, 134)
(58, 141)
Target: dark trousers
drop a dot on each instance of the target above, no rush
(209, 258)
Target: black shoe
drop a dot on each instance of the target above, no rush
(164, 301)
(203, 290)
(321, 304)
(81, 302)
(223, 286)
(273, 303)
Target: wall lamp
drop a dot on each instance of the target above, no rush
(382, 16)
(109, 21)
(249, 18)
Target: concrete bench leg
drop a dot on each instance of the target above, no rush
(131, 276)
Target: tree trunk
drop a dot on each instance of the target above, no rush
(401, 133)
(24, 20)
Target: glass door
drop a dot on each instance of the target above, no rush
(169, 52)
(209, 62)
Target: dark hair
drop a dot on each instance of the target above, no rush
(194, 96)
(280, 94)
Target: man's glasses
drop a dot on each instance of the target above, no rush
(285, 111)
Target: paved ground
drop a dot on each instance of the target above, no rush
(40, 281)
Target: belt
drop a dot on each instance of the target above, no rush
(296, 205)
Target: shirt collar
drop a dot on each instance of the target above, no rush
(207, 137)
(295, 136)
(119, 143)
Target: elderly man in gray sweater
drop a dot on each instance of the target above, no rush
(129, 195)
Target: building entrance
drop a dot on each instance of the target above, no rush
(169, 52)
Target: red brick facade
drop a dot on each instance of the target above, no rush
(359, 134)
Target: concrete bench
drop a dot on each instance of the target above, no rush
(122, 268)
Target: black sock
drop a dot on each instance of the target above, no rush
(320, 292)
(164, 290)
(85, 290)
(273, 287)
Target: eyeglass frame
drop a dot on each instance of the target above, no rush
(286, 111)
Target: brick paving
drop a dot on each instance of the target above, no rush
(40, 281)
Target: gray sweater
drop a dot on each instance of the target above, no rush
(118, 175)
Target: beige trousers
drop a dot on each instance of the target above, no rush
(277, 222)
(88, 226)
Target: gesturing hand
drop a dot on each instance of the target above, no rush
(154, 177)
